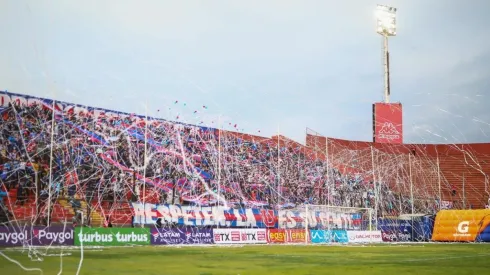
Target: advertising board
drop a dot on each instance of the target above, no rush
(14, 236)
(36, 235)
(240, 236)
(296, 235)
(276, 235)
(53, 235)
(320, 236)
(364, 236)
(395, 236)
(387, 123)
(462, 226)
(340, 236)
(176, 235)
(329, 236)
(111, 236)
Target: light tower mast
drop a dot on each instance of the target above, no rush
(386, 27)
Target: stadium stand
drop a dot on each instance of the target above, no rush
(58, 158)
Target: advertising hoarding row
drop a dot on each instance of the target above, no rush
(84, 236)
(450, 225)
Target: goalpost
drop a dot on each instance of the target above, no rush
(331, 218)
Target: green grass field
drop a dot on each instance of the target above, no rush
(380, 259)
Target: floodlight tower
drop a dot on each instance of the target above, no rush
(386, 26)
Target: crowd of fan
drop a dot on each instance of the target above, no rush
(91, 155)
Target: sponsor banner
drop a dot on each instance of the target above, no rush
(53, 235)
(112, 236)
(239, 236)
(395, 236)
(296, 235)
(246, 217)
(388, 123)
(286, 235)
(462, 225)
(175, 235)
(340, 236)
(276, 235)
(14, 236)
(364, 236)
(328, 236)
(320, 236)
(36, 236)
(395, 230)
(405, 228)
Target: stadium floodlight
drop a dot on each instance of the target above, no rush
(386, 20)
(386, 26)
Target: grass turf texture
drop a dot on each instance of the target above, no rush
(380, 259)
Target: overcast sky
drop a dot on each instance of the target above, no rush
(264, 65)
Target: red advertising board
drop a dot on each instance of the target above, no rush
(296, 235)
(387, 123)
(276, 236)
(286, 236)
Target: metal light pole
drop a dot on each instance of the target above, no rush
(386, 27)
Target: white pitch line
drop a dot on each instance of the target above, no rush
(20, 265)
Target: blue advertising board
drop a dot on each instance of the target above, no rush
(407, 229)
(340, 236)
(329, 236)
(320, 236)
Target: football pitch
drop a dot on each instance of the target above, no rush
(267, 259)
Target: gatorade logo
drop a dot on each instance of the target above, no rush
(463, 228)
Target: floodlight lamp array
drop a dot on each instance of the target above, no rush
(386, 20)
